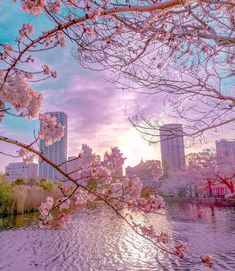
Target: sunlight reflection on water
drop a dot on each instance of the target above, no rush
(98, 240)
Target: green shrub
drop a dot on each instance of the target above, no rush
(19, 181)
(6, 197)
(32, 181)
(45, 185)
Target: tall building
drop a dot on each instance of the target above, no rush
(19, 170)
(172, 147)
(225, 153)
(57, 152)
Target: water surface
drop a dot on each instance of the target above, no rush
(98, 240)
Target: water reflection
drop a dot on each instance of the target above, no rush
(17, 221)
(98, 240)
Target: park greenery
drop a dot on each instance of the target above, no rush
(23, 196)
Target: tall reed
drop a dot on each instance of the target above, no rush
(23, 198)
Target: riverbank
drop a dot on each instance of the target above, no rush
(24, 198)
(216, 202)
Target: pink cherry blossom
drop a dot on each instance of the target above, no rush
(82, 197)
(20, 96)
(51, 130)
(45, 207)
(46, 69)
(64, 189)
(54, 74)
(148, 231)
(33, 7)
(63, 220)
(7, 48)
(163, 238)
(208, 261)
(96, 14)
(46, 222)
(180, 249)
(26, 30)
(64, 203)
(60, 39)
(54, 7)
(27, 156)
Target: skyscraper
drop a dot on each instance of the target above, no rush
(225, 153)
(172, 147)
(57, 152)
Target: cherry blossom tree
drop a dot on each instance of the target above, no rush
(181, 50)
(203, 164)
(184, 49)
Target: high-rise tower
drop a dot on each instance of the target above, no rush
(172, 147)
(225, 152)
(57, 152)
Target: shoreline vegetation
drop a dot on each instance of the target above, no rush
(20, 197)
(24, 197)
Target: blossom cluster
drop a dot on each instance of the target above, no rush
(28, 158)
(51, 130)
(149, 232)
(45, 215)
(114, 160)
(82, 197)
(180, 249)
(47, 71)
(19, 95)
(207, 261)
(148, 205)
(46, 218)
(25, 31)
(34, 7)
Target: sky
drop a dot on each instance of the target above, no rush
(96, 109)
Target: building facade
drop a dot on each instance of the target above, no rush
(225, 154)
(172, 148)
(57, 152)
(18, 170)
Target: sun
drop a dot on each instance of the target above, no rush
(135, 148)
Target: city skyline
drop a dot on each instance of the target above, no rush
(172, 148)
(158, 153)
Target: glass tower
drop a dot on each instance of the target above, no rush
(57, 152)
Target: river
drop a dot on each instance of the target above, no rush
(98, 240)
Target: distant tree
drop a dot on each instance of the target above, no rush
(32, 181)
(19, 181)
(45, 185)
(202, 165)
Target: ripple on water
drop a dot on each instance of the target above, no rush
(98, 240)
